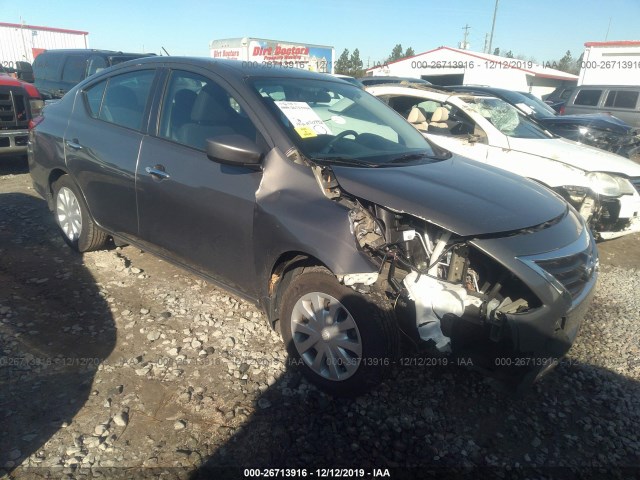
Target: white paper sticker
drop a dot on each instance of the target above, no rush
(525, 108)
(305, 121)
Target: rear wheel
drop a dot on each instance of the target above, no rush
(343, 341)
(72, 215)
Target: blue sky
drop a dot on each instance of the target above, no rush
(543, 29)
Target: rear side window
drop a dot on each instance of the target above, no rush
(45, 66)
(126, 98)
(74, 69)
(622, 99)
(589, 98)
(94, 98)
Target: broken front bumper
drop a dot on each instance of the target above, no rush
(564, 280)
(628, 219)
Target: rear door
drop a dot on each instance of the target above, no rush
(624, 104)
(102, 143)
(196, 210)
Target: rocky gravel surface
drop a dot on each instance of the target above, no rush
(117, 364)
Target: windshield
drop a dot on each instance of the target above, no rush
(335, 122)
(505, 118)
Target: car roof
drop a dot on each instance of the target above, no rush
(73, 51)
(232, 68)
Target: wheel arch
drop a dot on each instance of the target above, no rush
(54, 175)
(283, 270)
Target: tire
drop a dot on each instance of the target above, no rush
(72, 216)
(352, 347)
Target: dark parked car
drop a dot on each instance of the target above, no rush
(558, 98)
(598, 130)
(313, 199)
(57, 71)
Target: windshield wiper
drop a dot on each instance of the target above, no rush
(351, 162)
(408, 157)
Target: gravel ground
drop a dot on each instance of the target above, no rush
(115, 363)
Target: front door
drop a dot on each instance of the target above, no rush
(197, 210)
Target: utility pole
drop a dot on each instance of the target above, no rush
(465, 45)
(493, 25)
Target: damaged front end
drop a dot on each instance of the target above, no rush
(610, 205)
(626, 144)
(468, 296)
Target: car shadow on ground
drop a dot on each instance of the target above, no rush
(430, 420)
(55, 326)
(14, 165)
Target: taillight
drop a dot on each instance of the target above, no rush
(34, 122)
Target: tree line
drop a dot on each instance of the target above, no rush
(350, 63)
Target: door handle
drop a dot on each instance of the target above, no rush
(157, 172)
(74, 144)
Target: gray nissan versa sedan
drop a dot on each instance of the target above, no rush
(313, 199)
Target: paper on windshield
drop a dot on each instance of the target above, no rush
(305, 121)
(525, 108)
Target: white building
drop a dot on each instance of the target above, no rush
(22, 43)
(452, 66)
(611, 63)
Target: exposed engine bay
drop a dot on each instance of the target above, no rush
(443, 275)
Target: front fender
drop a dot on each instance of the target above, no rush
(293, 215)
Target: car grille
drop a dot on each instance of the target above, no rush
(573, 272)
(636, 183)
(13, 109)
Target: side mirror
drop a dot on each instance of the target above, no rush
(233, 150)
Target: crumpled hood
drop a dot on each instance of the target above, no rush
(586, 158)
(458, 194)
(597, 121)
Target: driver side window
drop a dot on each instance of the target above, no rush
(196, 108)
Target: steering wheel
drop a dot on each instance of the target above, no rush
(327, 148)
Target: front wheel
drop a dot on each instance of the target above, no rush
(72, 215)
(343, 341)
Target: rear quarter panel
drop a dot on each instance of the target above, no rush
(46, 148)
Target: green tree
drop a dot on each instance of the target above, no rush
(496, 51)
(355, 64)
(567, 63)
(396, 53)
(578, 65)
(509, 54)
(409, 52)
(343, 65)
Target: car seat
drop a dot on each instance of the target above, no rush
(417, 119)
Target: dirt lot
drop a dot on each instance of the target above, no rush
(116, 364)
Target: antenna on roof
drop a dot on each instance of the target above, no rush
(165, 51)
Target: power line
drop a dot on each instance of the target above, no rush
(493, 25)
